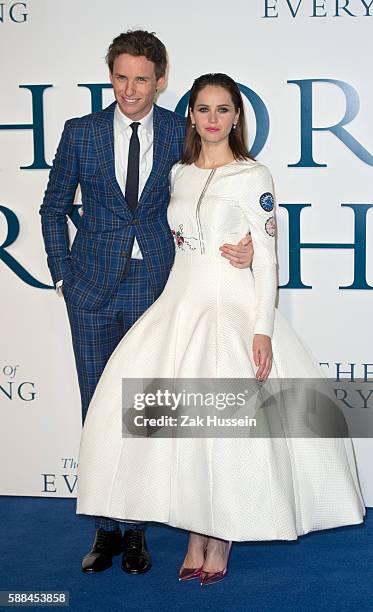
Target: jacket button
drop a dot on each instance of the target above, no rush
(125, 253)
(134, 221)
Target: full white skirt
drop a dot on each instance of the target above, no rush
(236, 489)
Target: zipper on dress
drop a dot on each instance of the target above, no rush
(199, 227)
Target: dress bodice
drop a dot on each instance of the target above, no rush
(209, 208)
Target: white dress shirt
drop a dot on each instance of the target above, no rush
(122, 135)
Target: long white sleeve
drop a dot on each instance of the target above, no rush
(259, 205)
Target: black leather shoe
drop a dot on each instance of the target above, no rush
(106, 544)
(136, 558)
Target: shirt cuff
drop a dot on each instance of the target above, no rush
(59, 288)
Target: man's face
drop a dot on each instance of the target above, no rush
(135, 85)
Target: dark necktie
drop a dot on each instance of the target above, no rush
(132, 182)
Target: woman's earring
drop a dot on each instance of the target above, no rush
(234, 126)
(193, 125)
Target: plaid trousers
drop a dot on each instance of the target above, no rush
(96, 333)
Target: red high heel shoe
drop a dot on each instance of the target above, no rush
(212, 577)
(189, 573)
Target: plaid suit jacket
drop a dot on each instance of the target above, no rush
(99, 257)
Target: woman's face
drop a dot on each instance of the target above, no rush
(214, 114)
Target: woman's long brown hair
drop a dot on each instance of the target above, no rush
(237, 136)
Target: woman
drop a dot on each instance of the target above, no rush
(215, 321)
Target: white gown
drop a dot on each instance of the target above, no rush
(202, 326)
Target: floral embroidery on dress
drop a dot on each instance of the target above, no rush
(182, 241)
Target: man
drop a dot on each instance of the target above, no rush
(123, 250)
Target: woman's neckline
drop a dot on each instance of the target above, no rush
(215, 167)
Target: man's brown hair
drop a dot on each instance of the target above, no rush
(136, 43)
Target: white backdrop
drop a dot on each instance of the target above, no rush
(63, 44)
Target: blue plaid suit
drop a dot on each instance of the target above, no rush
(94, 267)
(105, 291)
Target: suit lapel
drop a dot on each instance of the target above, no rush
(104, 140)
(161, 147)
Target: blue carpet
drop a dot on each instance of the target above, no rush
(43, 541)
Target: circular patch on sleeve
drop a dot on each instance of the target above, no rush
(270, 226)
(266, 201)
